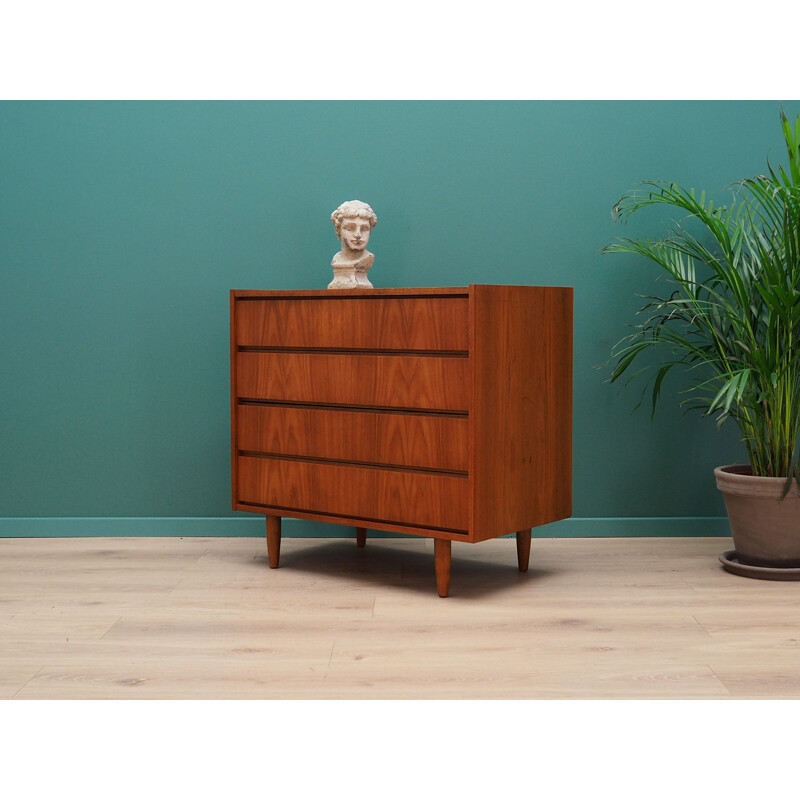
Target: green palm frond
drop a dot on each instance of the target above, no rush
(731, 320)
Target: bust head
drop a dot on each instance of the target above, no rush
(353, 222)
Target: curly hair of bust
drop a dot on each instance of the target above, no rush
(352, 208)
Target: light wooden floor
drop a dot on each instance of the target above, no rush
(206, 618)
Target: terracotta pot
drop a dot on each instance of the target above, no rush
(765, 529)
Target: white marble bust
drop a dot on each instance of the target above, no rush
(353, 222)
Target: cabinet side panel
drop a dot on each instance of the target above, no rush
(522, 414)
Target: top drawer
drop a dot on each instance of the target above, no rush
(359, 323)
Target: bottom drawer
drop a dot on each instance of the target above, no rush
(400, 496)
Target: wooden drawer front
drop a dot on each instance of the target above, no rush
(410, 440)
(391, 323)
(424, 382)
(369, 493)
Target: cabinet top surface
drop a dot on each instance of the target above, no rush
(461, 290)
(457, 291)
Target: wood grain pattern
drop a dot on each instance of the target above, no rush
(523, 549)
(412, 440)
(205, 618)
(273, 540)
(367, 492)
(234, 400)
(394, 323)
(439, 412)
(413, 382)
(368, 294)
(355, 522)
(442, 549)
(522, 408)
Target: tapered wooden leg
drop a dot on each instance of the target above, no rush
(441, 557)
(523, 549)
(361, 537)
(273, 540)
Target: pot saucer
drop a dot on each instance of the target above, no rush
(730, 561)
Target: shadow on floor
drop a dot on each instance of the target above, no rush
(381, 563)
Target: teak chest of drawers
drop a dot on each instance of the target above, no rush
(438, 412)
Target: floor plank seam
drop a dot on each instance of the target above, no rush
(689, 585)
(33, 677)
(722, 682)
(110, 628)
(701, 626)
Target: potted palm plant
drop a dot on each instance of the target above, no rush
(730, 322)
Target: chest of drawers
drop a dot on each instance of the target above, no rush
(440, 412)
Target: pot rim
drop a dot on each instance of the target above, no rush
(739, 479)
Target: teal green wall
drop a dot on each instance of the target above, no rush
(124, 224)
